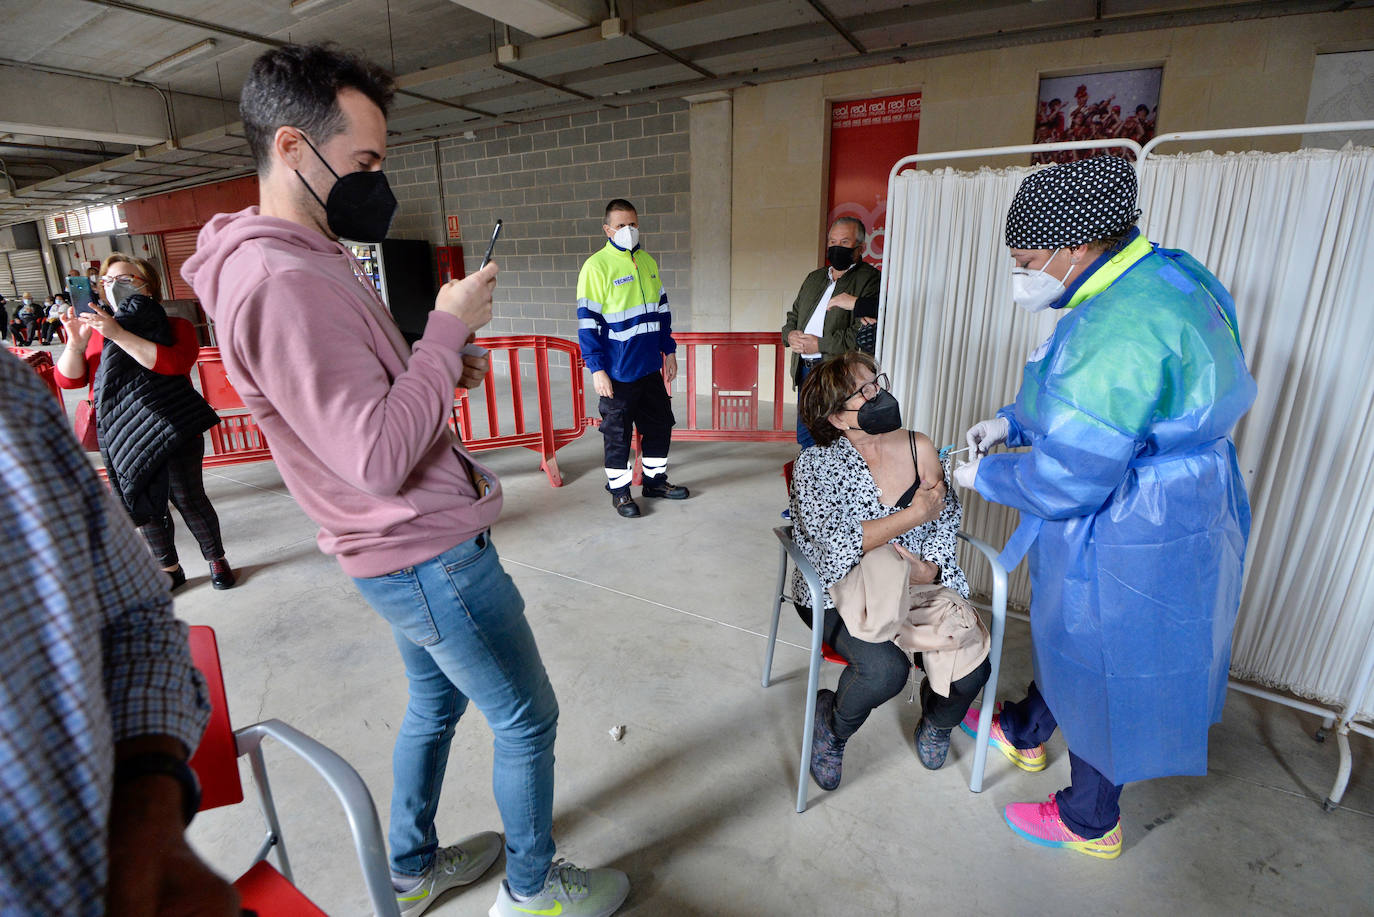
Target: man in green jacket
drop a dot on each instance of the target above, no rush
(834, 303)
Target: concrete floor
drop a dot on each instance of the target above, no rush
(696, 802)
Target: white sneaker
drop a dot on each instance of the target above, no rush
(568, 892)
(461, 864)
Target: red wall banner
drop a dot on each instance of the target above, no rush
(866, 137)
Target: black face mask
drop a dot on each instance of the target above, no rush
(881, 415)
(840, 258)
(360, 205)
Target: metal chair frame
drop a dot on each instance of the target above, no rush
(788, 549)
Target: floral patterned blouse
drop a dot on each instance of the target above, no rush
(833, 494)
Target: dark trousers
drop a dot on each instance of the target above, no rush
(642, 405)
(877, 672)
(187, 493)
(1090, 804)
(804, 437)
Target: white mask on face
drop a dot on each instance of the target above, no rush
(1037, 291)
(627, 237)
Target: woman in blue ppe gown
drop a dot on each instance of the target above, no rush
(1133, 510)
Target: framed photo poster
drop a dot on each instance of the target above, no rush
(1096, 106)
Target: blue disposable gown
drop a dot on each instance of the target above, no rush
(1142, 514)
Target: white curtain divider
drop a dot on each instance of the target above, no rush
(1289, 234)
(951, 340)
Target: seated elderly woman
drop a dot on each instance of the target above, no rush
(869, 500)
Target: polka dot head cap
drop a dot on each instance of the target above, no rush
(1073, 203)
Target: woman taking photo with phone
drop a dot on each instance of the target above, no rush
(149, 419)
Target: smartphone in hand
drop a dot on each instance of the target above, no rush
(494, 234)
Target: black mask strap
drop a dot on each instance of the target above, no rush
(326, 165)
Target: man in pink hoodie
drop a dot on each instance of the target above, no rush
(356, 423)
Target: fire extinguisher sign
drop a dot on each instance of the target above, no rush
(453, 232)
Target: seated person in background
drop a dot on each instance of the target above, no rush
(867, 483)
(53, 308)
(24, 325)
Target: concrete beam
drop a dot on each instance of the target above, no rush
(540, 18)
(192, 142)
(58, 105)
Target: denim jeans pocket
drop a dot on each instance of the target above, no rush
(466, 554)
(400, 600)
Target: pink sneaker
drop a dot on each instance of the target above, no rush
(1028, 759)
(1039, 823)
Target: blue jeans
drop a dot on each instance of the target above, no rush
(460, 625)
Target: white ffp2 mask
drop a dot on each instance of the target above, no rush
(1036, 291)
(627, 237)
(116, 291)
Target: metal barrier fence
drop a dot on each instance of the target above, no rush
(236, 439)
(736, 381)
(735, 372)
(548, 438)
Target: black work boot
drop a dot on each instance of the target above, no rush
(624, 504)
(660, 487)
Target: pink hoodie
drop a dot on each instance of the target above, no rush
(355, 420)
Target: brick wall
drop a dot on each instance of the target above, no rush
(549, 182)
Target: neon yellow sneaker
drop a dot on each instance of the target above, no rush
(1040, 823)
(461, 864)
(568, 892)
(1028, 759)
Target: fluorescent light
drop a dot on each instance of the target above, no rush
(304, 6)
(181, 57)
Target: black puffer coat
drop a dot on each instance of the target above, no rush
(142, 417)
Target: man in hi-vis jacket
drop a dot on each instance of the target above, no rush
(626, 334)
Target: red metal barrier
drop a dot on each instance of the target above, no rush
(236, 439)
(547, 439)
(735, 376)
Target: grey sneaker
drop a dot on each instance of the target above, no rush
(461, 864)
(569, 892)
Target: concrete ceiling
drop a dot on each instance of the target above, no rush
(87, 117)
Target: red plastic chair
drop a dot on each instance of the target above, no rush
(266, 890)
(40, 361)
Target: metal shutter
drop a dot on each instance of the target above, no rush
(178, 247)
(6, 281)
(29, 276)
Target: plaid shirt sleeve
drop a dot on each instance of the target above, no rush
(90, 654)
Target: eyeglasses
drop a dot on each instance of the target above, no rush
(116, 278)
(870, 390)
